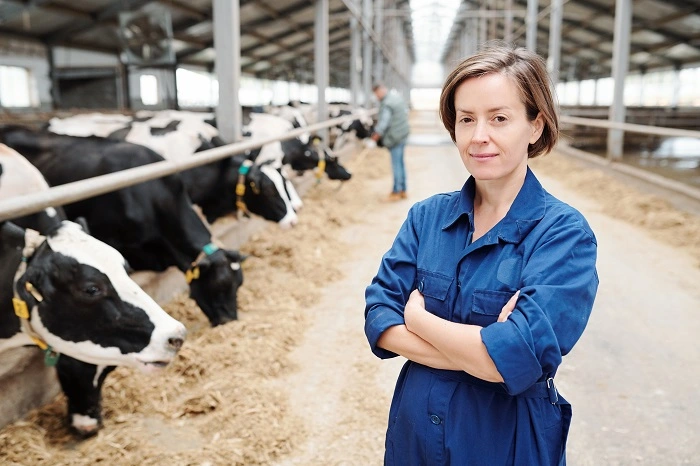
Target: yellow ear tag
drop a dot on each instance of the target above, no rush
(34, 292)
(20, 308)
(240, 189)
(192, 274)
(321, 168)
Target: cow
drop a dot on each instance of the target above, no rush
(75, 301)
(217, 188)
(359, 129)
(153, 224)
(301, 153)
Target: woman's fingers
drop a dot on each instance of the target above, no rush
(416, 297)
(508, 308)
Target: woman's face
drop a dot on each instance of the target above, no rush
(492, 131)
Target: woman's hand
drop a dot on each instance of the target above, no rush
(508, 308)
(414, 307)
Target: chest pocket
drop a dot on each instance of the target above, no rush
(487, 306)
(434, 287)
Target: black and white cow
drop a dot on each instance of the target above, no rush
(81, 305)
(213, 187)
(359, 129)
(300, 153)
(153, 224)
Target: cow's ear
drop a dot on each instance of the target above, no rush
(34, 286)
(11, 233)
(83, 224)
(235, 256)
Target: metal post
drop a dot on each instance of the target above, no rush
(227, 43)
(578, 92)
(392, 36)
(531, 21)
(554, 58)
(379, 30)
(355, 61)
(123, 83)
(508, 22)
(620, 61)
(482, 24)
(491, 6)
(595, 91)
(321, 61)
(55, 90)
(676, 96)
(175, 102)
(367, 53)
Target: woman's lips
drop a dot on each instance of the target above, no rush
(483, 156)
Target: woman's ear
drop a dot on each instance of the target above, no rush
(537, 128)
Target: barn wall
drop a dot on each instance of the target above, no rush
(166, 88)
(75, 58)
(30, 55)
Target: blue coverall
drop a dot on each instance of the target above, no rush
(542, 247)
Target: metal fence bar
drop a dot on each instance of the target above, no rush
(631, 127)
(83, 189)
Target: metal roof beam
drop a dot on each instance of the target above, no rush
(37, 4)
(638, 24)
(272, 13)
(251, 27)
(107, 14)
(298, 48)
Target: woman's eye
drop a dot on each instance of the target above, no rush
(465, 120)
(500, 119)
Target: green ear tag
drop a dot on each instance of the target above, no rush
(210, 249)
(50, 357)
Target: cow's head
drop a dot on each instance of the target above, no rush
(311, 156)
(363, 128)
(82, 303)
(214, 280)
(265, 192)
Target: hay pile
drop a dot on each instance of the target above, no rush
(618, 200)
(218, 403)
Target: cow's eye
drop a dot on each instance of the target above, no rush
(92, 290)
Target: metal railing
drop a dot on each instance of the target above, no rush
(631, 127)
(658, 180)
(90, 187)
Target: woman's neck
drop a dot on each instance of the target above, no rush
(492, 201)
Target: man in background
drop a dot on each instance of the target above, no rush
(392, 128)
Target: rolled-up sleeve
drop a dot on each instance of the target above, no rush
(386, 296)
(558, 287)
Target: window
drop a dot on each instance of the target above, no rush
(16, 87)
(196, 88)
(149, 89)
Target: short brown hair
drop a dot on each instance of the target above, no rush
(528, 72)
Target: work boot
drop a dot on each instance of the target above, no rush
(393, 197)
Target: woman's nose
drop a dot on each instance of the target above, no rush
(480, 134)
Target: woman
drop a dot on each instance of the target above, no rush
(484, 290)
